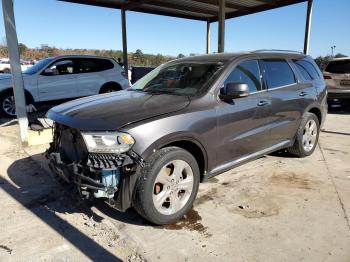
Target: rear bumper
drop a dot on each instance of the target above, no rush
(334, 93)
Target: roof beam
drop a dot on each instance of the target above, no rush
(268, 2)
(258, 9)
(182, 7)
(156, 12)
(216, 4)
(129, 5)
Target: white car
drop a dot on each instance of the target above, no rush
(6, 68)
(337, 77)
(64, 78)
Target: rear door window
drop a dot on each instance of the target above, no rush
(307, 69)
(247, 72)
(338, 67)
(86, 65)
(278, 73)
(91, 65)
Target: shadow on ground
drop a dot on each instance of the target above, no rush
(40, 193)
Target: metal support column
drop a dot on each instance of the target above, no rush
(125, 46)
(221, 31)
(308, 27)
(208, 37)
(17, 80)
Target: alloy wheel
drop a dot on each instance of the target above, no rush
(9, 106)
(173, 187)
(309, 135)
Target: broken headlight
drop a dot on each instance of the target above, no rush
(108, 142)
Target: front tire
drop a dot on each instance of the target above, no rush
(307, 136)
(7, 105)
(167, 186)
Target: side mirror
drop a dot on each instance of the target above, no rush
(48, 72)
(234, 90)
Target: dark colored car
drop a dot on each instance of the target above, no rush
(186, 121)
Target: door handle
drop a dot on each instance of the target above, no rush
(302, 93)
(262, 103)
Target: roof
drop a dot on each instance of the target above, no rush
(205, 10)
(80, 56)
(223, 57)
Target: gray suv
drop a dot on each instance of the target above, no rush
(186, 121)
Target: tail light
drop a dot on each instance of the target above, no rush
(327, 77)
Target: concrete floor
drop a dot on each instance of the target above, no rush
(277, 208)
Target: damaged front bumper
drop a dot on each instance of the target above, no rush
(108, 176)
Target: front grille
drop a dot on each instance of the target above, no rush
(99, 160)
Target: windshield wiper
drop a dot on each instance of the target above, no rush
(160, 92)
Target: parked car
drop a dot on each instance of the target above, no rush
(64, 78)
(6, 68)
(337, 76)
(186, 121)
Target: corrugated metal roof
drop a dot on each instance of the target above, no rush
(206, 10)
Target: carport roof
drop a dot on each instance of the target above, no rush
(205, 10)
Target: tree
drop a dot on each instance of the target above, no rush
(180, 55)
(322, 61)
(22, 48)
(340, 55)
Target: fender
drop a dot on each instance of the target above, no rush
(320, 111)
(173, 138)
(28, 95)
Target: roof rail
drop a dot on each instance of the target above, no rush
(277, 51)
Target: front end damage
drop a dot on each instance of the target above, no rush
(109, 176)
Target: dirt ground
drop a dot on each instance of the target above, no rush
(277, 208)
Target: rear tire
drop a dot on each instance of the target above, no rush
(307, 136)
(167, 186)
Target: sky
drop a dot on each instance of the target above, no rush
(66, 25)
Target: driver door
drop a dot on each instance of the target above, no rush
(58, 81)
(242, 123)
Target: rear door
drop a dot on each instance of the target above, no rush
(241, 124)
(284, 94)
(91, 72)
(58, 81)
(310, 80)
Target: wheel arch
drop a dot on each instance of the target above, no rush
(110, 84)
(316, 111)
(188, 143)
(29, 97)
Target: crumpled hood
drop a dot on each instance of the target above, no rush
(114, 110)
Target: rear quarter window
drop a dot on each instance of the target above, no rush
(306, 69)
(278, 73)
(104, 64)
(338, 67)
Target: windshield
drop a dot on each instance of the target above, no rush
(38, 66)
(339, 67)
(183, 78)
